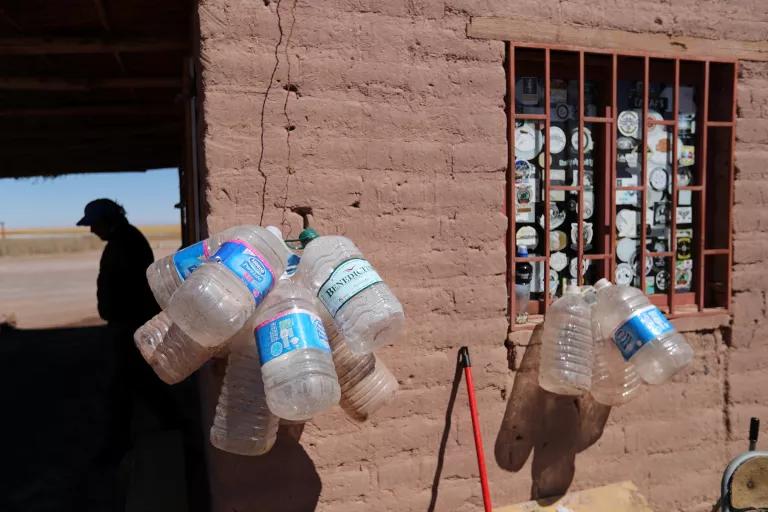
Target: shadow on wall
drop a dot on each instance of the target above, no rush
(554, 427)
(283, 480)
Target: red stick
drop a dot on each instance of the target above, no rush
(466, 363)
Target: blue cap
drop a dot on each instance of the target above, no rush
(522, 250)
(101, 209)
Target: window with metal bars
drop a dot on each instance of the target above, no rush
(621, 166)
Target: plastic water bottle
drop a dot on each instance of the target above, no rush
(363, 307)
(523, 276)
(566, 350)
(216, 300)
(366, 383)
(173, 355)
(641, 332)
(296, 364)
(614, 380)
(243, 423)
(166, 274)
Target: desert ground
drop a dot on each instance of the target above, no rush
(55, 286)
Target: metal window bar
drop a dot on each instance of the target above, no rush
(610, 118)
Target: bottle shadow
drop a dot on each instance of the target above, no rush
(283, 480)
(552, 427)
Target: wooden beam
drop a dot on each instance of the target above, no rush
(69, 84)
(545, 32)
(86, 45)
(146, 109)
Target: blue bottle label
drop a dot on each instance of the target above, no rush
(295, 329)
(642, 327)
(292, 264)
(249, 265)
(188, 259)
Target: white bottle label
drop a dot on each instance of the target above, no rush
(347, 280)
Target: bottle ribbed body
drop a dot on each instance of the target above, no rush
(243, 423)
(366, 383)
(567, 347)
(171, 354)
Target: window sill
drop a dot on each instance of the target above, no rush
(684, 321)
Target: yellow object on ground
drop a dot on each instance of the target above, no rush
(620, 497)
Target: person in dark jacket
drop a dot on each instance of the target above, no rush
(125, 302)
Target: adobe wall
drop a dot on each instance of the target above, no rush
(388, 122)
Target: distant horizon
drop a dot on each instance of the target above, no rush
(37, 203)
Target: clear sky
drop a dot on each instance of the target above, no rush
(148, 197)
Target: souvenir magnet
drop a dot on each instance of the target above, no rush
(558, 261)
(527, 236)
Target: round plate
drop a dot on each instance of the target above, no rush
(556, 140)
(558, 261)
(528, 141)
(586, 140)
(626, 143)
(624, 274)
(658, 178)
(662, 280)
(527, 236)
(625, 249)
(573, 267)
(557, 240)
(556, 216)
(524, 170)
(629, 123)
(554, 282)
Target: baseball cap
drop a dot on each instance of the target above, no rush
(101, 209)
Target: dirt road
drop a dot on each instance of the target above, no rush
(55, 290)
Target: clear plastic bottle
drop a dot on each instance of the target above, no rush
(364, 308)
(614, 380)
(566, 346)
(366, 383)
(243, 423)
(216, 300)
(296, 364)
(641, 332)
(173, 355)
(166, 274)
(523, 276)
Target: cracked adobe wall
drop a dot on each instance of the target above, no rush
(391, 128)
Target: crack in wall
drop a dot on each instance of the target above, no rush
(289, 127)
(263, 109)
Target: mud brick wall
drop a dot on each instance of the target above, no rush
(382, 121)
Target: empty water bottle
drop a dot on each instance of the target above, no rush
(614, 380)
(363, 307)
(243, 423)
(566, 346)
(641, 332)
(166, 274)
(366, 383)
(523, 276)
(173, 355)
(216, 300)
(296, 364)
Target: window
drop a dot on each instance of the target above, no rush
(621, 166)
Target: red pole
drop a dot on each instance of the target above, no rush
(466, 363)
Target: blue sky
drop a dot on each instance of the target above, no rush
(148, 197)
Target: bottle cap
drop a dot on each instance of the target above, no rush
(307, 236)
(572, 288)
(522, 251)
(275, 231)
(602, 283)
